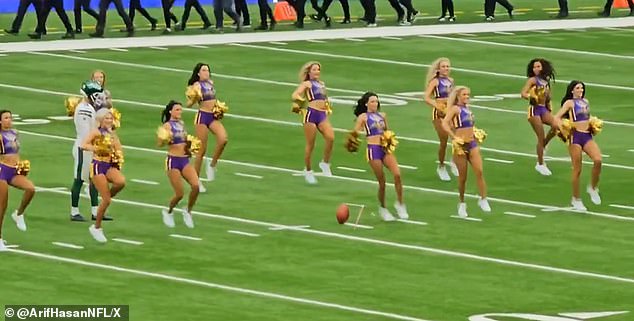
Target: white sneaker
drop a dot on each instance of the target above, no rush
(3, 246)
(594, 195)
(484, 205)
(543, 169)
(386, 215)
(97, 234)
(325, 168)
(19, 220)
(211, 171)
(577, 204)
(462, 210)
(401, 211)
(371, 25)
(168, 218)
(454, 169)
(404, 23)
(187, 218)
(442, 173)
(309, 176)
(201, 187)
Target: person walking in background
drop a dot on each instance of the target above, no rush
(43, 16)
(447, 5)
(103, 11)
(85, 4)
(19, 17)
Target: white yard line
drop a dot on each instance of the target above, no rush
(351, 169)
(388, 243)
(77, 51)
(622, 206)
(423, 189)
(281, 228)
(407, 167)
(248, 175)
(367, 227)
(278, 43)
(218, 286)
(159, 48)
(354, 39)
(468, 218)
(520, 214)
(68, 245)
(504, 161)
(243, 233)
(141, 181)
(185, 237)
(411, 222)
(315, 41)
(119, 49)
(127, 241)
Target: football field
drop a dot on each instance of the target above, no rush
(267, 246)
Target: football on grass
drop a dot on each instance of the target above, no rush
(342, 213)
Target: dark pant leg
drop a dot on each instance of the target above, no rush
(506, 4)
(143, 12)
(42, 15)
(229, 9)
(167, 13)
(134, 4)
(265, 11)
(301, 11)
(608, 6)
(489, 8)
(77, 13)
(61, 13)
(397, 6)
(563, 7)
(126, 19)
(370, 10)
(201, 12)
(345, 6)
(243, 11)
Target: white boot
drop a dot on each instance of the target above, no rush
(401, 211)
(168, 218)
(454, 169)
(201, 187)
(462, 210)
(187, 218)
(19, 220)
(309, 176)
(543, 169)
(594, 195)
(577, 204)
(442, 173)
(386, 215)
(484, 205)
(97, 234)
(325, 168)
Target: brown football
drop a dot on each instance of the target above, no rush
(342, 213)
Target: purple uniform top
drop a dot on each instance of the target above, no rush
(580, 110)
(178, 132)
(207, 89)
(317, 91)
(375, 124)
(443, 88)
(464, 119)
(9, 143)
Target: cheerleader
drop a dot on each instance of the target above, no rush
(173, 133)
(465, 146)
(315, 117)
(105, 171)
(439, 85)
(581, 128)
(12, 172)
(380, 150)
(540, 73)
(201, 91)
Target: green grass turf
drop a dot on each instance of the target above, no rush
(327, 266)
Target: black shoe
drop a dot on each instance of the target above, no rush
(206, 26)
(603, 14)
(35, 35)
(153, 22)
(11, 32)
(130, 33)
(78, 31)
(69, 35)
(299, 24)
(411, 16)
(96, 35)
(272, 26)
(105, 218)
(328, 22)
(562, 15)
(77, 218)
(315, 17)
(167, 31)
(510, 11)
(261, 27)
(631, 12)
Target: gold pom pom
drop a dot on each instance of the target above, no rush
(116, 115)
(219, 109)
(596, 125)
(328, 107)
(352, 142)
(192, 145)
(24, 166)
(389, 141)
(564, 131)
(103, 145)
(164, 135)
(479, 134)
(458, 146)
(71, 104)
(441, 106)
(116, 159)
(298, 105)
(194, 95)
